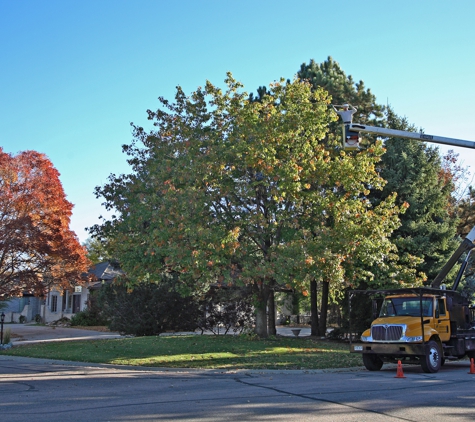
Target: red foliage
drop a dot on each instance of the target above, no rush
(37, 248)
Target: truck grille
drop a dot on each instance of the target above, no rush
(386, 332)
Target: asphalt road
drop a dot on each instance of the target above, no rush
(38, 389)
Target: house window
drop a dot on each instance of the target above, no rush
(54, 303)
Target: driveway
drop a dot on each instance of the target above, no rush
(26, 333)
(32, 333)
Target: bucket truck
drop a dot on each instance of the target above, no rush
(426, 325)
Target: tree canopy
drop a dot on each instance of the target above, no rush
(37, 248)
(225, 190)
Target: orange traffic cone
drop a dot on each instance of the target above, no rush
(472, 366)
(399, 373)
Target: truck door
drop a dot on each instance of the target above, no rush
(442, 320)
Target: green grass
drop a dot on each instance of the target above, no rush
(207, 352)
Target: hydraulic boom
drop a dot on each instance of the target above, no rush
(353, 128)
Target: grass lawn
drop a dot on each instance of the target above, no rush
(207, 352)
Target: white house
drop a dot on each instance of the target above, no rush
(59, 303)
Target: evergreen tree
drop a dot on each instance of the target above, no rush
(343, 89)
(415, 171)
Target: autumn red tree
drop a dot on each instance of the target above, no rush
(37, 248)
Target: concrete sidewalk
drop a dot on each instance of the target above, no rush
(286, 331)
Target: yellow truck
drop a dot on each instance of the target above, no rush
(423, 326)
(420, 325)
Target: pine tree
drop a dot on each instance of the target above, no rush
(414, 170)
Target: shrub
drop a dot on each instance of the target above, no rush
(150, 309)
(22, 319)
(85, 319)
(64, 321)
(154, 308)
(92, 316)
(7, 336)
(226, 309)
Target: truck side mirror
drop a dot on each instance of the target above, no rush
(449, 302)
(374, 304)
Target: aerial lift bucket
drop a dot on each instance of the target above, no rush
(351, 139)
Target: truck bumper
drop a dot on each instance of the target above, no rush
(389, 349)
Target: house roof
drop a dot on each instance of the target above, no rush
(104, 271)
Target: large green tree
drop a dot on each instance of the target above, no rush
(225, 190)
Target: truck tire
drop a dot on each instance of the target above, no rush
(372, 362)
(432, 361)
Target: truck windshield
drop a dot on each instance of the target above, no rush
(406, 306)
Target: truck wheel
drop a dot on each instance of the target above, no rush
(372, 362)
(432, 360)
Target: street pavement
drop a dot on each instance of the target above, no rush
(41, 389)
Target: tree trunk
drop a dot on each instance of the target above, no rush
(261, 311)
(315, 331)
(261, 322)
(324, 308)
(271, 314)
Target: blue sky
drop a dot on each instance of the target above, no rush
(74, 74)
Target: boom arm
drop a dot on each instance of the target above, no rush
(355, 127)
(466, 245)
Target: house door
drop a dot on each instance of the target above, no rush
(76, 303)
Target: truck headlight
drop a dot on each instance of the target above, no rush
(366, 338)
(413, 339)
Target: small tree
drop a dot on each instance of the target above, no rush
(96, 250)
(37, 248)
